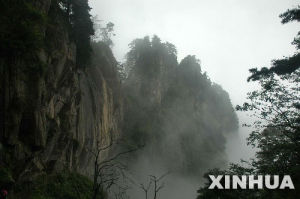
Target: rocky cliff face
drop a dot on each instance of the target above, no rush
(173, 108)
(53, 113)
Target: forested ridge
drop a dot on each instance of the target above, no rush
(184, 118)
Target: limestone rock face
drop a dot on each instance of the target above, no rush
(52, 113)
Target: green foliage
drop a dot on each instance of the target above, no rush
(276, 136)
(121, 71)
(276, 103)
(190, 71)
(276, 132)
(81, 28)
(105, 34)
(174, 109)
(6, 178)
(286, 65)
(291, 15)
(63, 185)
(277, 128)
(103, 58)
(20, 28)
(145, 55)
(82, 31)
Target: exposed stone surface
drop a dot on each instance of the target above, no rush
(173, 109)
(51, 116)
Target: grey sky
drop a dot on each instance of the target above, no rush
(228, 36)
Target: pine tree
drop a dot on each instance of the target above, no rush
(286, 65)
(82, 30)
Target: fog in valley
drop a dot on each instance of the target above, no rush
(146, 99)
(228, 37)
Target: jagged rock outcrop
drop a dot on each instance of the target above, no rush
(52, 113)
(180, 116)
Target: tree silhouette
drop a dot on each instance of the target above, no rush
(288, 64)
(276, 135)
(108, 171)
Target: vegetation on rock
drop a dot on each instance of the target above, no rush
(276, 132)
(174, 109)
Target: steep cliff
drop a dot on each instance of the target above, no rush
(180, 116)
(53, 112)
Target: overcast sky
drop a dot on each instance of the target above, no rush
(228, 36)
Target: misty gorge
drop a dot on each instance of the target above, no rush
(173, 109)
(77, 123)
